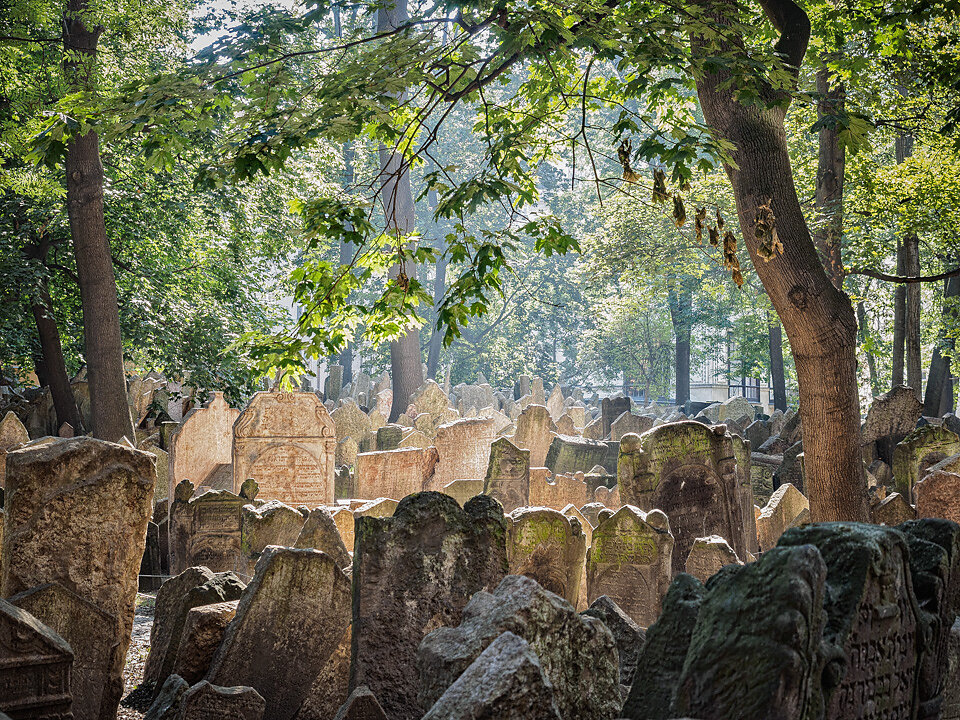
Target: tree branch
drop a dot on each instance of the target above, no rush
(792, 23)
(903, 278)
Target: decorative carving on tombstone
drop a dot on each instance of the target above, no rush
(549, 547)
(205, 530)
(508, 475)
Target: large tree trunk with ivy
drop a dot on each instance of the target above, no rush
(818, 318)
(98, 287)
(397, 198)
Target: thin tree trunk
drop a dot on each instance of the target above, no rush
(681, 304)
(911, 323)
(397, 198)
(55, 368)
(899, 314)
(830, 172)
(346, 252)
(818, 318)
(864, 332)
(777, 376)
(938, 398)
(98, 287)
(436, 339)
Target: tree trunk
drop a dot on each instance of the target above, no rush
(911, 322)
(436, 339)
(818, 318)
(777, 376)
(397, 198)
(864, 331)
(938, 399)
(830, 170)
(55, 368)
(681, 304)
(899, 313)
(346, 251)
(98, 288)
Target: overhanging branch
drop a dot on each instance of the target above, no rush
(903, 278)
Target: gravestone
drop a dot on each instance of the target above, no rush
(91, 634)
(938, 496)
(333, 383)
(205, 701)
(464, 450)
(576, 454)
(35, 666)
(205, 530)
(629, 423)
(395, 473)
(287, 443)
(628, 636)
(361, 705)
(555, 403)
(610, 409)
(872, 617)
(922, 448)
(351, 423)
(289, 621)
(630, 561)
(202, 444)
(577, 652)
(12, 433)
(272, 523)
(202, 634)
(507, 476)
(330, 689)
(548, 547)
(783, 510)
(892, 510)
(689, 471)
(389, 437)
(535, 430)
(412, 572)
(708, 555)
(566, 426)
(320, 532)
(76, 514)
(745, 499)
(660, 662)
(558, 491)
(753, 663)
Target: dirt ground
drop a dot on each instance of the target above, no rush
(132, 706)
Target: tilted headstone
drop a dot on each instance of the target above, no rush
(320, 532)
(757, 663)
(361, 705)
(414, 571)
(549, 547)
(331, 687)
(202, 634)
(351, 423)
(287, 443)
(610, 409)
(395, 473)
(630, 561)
(205, 701)
(924, 447)
(507, 477)
(660, 662)
(205, 530)
(272, 523)
(576, 454)
(688, 471)
(627, 422)
(464, 450)
(555, 403)
(91, 634)
(892, 510)
(203, 443)
(35, 667)
(76, 514)
(938, 495)
(289, 621)
(333, 383)
(535, 431)
(506, 682)
(890, 418)
(783, 510)
(577, 652)
(12, 433)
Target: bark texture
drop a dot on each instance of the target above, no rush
(818, 318)
(938, 398)
(680, 296)
(830, 170)
(55, 367)
(777, 377)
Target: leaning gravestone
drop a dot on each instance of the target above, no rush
(535, 431)
(708, 555)
(628, 636)
(287, 443)
(577, 652)
(205, 530)
(610, 409)
(395, 473)
(272, 523)
(508, 475)
(754, 664)
(569, 454)
(630, 561)
(76, 514)
(202, 445)
(938, 495)
(289, 621)
(202, 634)
(412, 572)
(12, 433)
(890, 418)
(871, 617)
(924, 447)
(35, 667)
(320, 532)
(689, 471)
(91, 634)
(548, 547)
(630, 423)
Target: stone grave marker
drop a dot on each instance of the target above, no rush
(891, 417)
(708, 555)
(556, 492)
(395, 473)
(549, 547)
(892, 510)
(202, 634)
(464, 450)
(286, 441)
(507, 477)
(272, 523)
(785, 507)
(12, 433)
(205, 701)
(627, 422)
(205, 530)
(938, 495)
(350, 422)
(610, 409)
(922, 448)
(575, 454)
(535, 431)
(201, 446)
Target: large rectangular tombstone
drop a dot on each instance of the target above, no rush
(689, 471)
(77, 512)
(287, 443)
(394, 473)
(35, 666)
(205, 530)
(610, 409)
(508, 475)
(464, 450)
(568, 454)
(202, 444)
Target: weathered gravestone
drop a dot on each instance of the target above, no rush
(892, 510)
(688, 471)
(558, 491)
(506, 682)
(938, 495)
(90, 632)
(202, 634)
(660, 662)
(576, 454)
(924, 447)
(272, 523)
(785, 509)
(630, 561)
(753, 663)
(331, 687)
(464, 450)
(76, 514)
(548, 547)
(745, 500)
(35, 666)
(350, 422)
(389, 437)
(289, 621)
(708, 555)
(630, 423)
(577, 652)
(508, 475)
(202, 445)
(412, 572)
(395, 473)
(535, 431)
(320, 533)
(890, 418)
(361, 705)
(205, 701)
(610, 409)
(871, 618)
(628, 636)
(12, 433)
(333, 383)
(287, 443)
(205, 530)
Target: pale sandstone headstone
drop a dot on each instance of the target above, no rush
(205, 530)
(549, 547)
(289, 621)
(395, 473)
(566, 426)
(786, 505)
(203, 443)
(630, 561)
(202, 634)
(464, 450)
(922, 448)
(535, 431)
(205, 701)
(320, 532)
(627, 422)
(12, 433)
(415, 439)
(938, 495)
(463, 490)
(555, 403)
(287, 443)
(350, 422)
(558, 491)
(76, 514)
(507, 476)
(892, 510)
(708, 555)
(272, 523)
